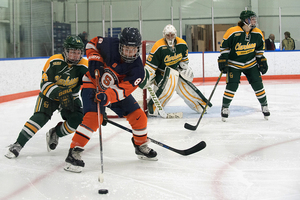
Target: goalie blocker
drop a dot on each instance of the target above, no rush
(173, 81)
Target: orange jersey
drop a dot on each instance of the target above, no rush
(117, 79)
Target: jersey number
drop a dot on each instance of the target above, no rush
(137, 81)
(150, 58)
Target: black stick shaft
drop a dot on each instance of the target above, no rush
(191, 127)
(198, 147)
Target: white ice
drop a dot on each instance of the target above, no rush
(246, 158)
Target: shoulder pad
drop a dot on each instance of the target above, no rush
(158, 44)
(232, 31)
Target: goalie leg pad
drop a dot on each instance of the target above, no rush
(191, 95)
(166, 88)
(149, 77)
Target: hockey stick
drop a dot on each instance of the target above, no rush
(191, 127)
(198, 147)
(159, 107)
(101, 176)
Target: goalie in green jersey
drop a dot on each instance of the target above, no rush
(167, 71)
(242, 51)
(59, 90)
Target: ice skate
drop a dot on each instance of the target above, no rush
(14, 150)
(143, 152)
(52, 138)
(224, 114)
(73, 160)
(266, 112)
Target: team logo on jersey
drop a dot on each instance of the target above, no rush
(46, 104)
(244, 49)
(108, 79)
(70, 83)
(57, 63)
(171, 60)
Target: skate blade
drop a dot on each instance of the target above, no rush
(224, 119)
(71, 168)
(47, 141)
(10, 155)
(142, 157)
(266, 117)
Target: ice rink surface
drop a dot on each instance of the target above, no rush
(246, 158)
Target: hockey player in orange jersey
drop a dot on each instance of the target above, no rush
(121, 71)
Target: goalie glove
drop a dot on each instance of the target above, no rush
(185, 71)
(262, 64)
(66, 99)
(223, 65)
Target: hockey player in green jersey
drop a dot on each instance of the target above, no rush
(59, 90)
(167, 70)
(242, 51)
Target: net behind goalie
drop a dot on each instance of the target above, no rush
(167, 70)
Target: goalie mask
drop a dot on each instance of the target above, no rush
(73, 50)
(130, 42)
(170, 33)
(249, 18)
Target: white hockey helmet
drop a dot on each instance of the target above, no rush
(170, 33)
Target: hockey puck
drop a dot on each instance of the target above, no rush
(103, 191)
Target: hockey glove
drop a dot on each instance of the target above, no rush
(95, 65)
(102, 98)
(66, 99)
(262, 64)
(223, 65)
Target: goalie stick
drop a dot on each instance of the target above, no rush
(159, 107)
(198, 147)
(191, 127)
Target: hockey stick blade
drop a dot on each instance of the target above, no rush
(198, 147)
(190, 127)
(193, 128)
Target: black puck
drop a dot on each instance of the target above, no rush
(103, 191)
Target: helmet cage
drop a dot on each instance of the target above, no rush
(129, 37)
(68, 59)
(126, 57)
(170, 29)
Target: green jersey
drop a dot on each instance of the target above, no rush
(58, 75)
(242, 48)
(162, 56)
